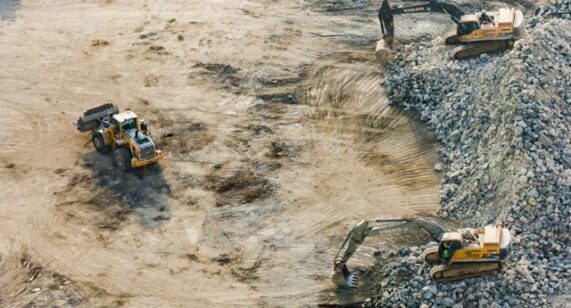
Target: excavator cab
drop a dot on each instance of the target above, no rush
(467, 27)
(450, 243)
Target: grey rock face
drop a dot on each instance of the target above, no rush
(505, 123)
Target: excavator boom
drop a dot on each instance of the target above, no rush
(386, 13)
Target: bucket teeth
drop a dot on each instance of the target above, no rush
(353, 281)
(345, 278)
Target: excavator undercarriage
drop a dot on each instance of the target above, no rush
(476, 49)
(446, 272)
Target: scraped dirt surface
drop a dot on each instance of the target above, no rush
(278, 139)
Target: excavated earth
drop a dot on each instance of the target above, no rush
(278, 139)
(278, 135)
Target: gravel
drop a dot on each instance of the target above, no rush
(505, 123)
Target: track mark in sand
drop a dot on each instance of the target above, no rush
(14, 123)
(349, 7)
(184, 137)
(96, 46)
(178, 135)
(268, 110)
(151, 80)
(27, 282)
(281, 40)
(348, 99)
(99, 43)
(283, 89)
(286, 98)
(242, 269)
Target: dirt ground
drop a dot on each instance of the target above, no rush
(278, 139)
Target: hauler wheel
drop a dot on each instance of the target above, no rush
(99, 143)
(123, 159)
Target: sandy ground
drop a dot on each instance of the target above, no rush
(278, 140)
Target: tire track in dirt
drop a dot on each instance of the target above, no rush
(223, 115)
(339, 189)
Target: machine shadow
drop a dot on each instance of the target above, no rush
(142, 191)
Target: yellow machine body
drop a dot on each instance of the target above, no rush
(504, 24)
(115, 135)
(122, 133)
(477, 245)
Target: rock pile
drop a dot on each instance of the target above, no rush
(505, 122)
(561, 9)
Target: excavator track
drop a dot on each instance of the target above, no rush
(476, 49)
(442, 273)
(451, 38)
(430, 255)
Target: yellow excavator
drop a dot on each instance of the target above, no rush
(460, 254)
(482, 32)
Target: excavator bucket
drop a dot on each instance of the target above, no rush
(384, 53)
(344, 278)
(91, 117)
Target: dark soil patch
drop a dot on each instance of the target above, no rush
(247, 274)
(158, 50)
(222, 259)
(99, 43)
(258, 129)
(217, 68)
(237, 187)
(266, 165)
(225, 75)
(285, 98)
(279, 149)
(343, 7)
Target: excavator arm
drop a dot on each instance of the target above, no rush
(386, 14)
(376, 227)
